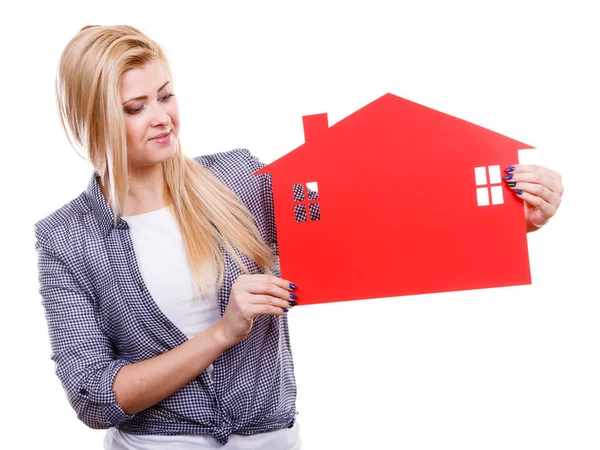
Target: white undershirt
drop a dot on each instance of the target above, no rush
(163, 263)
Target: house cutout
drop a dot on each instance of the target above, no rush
(397, 199)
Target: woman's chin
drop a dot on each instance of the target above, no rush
(162, 154)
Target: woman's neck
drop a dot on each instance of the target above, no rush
(147, 191)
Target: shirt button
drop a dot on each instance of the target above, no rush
(83, 391)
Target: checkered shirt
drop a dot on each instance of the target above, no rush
(100, 317)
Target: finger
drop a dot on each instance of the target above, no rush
(534, 168)
(269, 310)
(251, 310)
(547, 209)
(538, 178)
(273, 301)
(280, 282)
(537, 190)
(266, 288)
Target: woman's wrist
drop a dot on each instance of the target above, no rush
(219, 336)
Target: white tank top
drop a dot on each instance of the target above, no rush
(163, 263)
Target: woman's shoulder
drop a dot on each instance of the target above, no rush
(235, 168)
(64, 222)
(239, 159)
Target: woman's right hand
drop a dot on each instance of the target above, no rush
(251, 296)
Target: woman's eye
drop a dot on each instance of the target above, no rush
(139, 110)
(134, 111)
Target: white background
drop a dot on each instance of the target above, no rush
(512, 368)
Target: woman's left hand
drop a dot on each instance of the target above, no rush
(540, 188)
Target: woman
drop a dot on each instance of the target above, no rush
(166, 315)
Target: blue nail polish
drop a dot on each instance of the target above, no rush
(285, 309)
(510, 169)
(518, 191)
(293, 286)
(293, 296)
(508, 177)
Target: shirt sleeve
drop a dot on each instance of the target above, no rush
(85, 361)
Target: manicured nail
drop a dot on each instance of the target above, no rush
(518, 191)
(510, 169)
(293, 296)
(511, 183)
(292, 303)
(285, 309)
(508, 177)
(293, 287)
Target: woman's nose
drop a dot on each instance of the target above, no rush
(158, 115)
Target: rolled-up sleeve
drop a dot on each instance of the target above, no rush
(85, 360)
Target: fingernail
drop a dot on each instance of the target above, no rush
(292, 303)
(293, 286)
(511, 183)
(510, 169)
(508, 177)
(293, 296)
(285, 309)
(518, 191)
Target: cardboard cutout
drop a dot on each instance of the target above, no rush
(397, 199)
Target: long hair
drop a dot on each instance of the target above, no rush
(211, 217)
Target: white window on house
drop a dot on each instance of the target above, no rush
(306, 202)
(491, 181)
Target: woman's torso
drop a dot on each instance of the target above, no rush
(163, 263)
(252, 389)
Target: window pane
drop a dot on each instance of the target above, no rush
(497, 198)
(315, 211)
(483, 198)
(300, 212)
(298, 193)
(494, 174)
(313, 190)
(480, 176)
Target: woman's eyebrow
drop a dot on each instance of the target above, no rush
(144, 97)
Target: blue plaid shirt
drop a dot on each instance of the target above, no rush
(101, 317)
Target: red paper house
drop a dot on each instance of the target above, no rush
(397, 199)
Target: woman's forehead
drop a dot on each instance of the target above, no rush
(144, 80)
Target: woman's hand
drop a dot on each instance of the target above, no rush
(540, 188)
(251, 296)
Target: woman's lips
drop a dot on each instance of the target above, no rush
(162, 139)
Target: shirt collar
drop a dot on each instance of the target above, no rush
(101, 209)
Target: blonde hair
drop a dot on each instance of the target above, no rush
(210, 216)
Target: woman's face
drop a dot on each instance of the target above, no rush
(150, 111)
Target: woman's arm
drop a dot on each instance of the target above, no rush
(140, 385)
(84, 357)
(100, 384)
